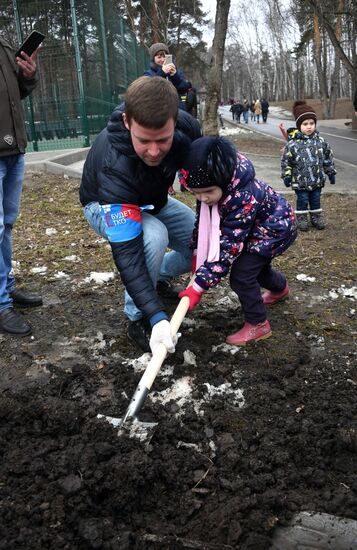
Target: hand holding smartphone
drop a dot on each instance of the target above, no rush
(31, 43)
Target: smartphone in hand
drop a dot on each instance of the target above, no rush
(31, 43)
(168, 59)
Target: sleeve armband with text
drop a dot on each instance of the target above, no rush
(122, 222)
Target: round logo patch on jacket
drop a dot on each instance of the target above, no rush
(9, 139)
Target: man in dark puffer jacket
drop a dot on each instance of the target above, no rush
(126, 176)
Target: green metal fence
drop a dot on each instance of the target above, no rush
(85, 65)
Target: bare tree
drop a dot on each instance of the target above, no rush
(214, 81)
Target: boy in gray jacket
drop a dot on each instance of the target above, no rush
(305, 160)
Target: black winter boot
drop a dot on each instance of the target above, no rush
(13, 322)
(139, 332)
(317, 219)
(302, 221)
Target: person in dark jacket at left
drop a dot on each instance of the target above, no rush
(124, 191)
(17, 80)
(159, 67)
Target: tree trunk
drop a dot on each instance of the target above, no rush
(321, 74)
(210, 123)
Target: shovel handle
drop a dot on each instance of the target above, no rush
(160, 353)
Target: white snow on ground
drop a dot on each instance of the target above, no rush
(189, 358)
(336, 293)
(233, 131)
(182, 389)
(99, 277)
(40, 269)
(305, 278)
(61, 275)
(72, 258)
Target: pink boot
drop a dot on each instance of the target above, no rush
(250, 333)
(270, 298)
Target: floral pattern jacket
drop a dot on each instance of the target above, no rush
(306, 160)
(254, 218)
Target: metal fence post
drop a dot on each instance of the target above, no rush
(85, 126)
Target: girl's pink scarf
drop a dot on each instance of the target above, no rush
(208, 235)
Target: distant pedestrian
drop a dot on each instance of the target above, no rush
(245, 106)
(306, 158)
(265, 109)
(191, 100)
(257, 110)
(236, 110)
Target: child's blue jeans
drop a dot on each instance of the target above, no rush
(306, 199)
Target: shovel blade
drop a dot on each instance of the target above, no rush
(133, 427)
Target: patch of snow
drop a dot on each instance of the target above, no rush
(225, 302)
(139, 364)
(225, 347)
(180, 391)
(189, 358)
(348, 292)
(233, 131)
(99, 277)
(61, 275)
(15, 267)
(72, 258)
(41, 269)
(305, 278)
(226, 390)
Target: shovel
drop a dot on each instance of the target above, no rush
(138, 428)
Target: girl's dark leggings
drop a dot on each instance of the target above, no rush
(249, 273)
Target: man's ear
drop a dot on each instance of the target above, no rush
(125, 120)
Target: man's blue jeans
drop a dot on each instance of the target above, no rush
(172, 227)
(11, 178)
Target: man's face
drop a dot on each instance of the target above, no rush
(151, 145)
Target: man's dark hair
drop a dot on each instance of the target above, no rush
(151, 101)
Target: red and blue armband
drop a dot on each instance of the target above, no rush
(123, 222)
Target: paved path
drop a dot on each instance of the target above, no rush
(70, 161)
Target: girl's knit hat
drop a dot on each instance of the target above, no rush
(210, 161)
(156, 48)
(302, 112)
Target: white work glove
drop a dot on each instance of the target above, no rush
(161, 334)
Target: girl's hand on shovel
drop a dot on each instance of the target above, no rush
(161, 334)
(194, 294)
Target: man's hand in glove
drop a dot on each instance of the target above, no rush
(161, 334)
(194, 294)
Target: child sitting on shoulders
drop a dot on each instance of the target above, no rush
(241, 225)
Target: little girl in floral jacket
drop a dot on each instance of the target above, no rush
(241, 225)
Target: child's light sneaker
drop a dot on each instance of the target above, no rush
(270, 298)
(250, 333)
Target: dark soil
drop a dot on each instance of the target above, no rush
(221, 470)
